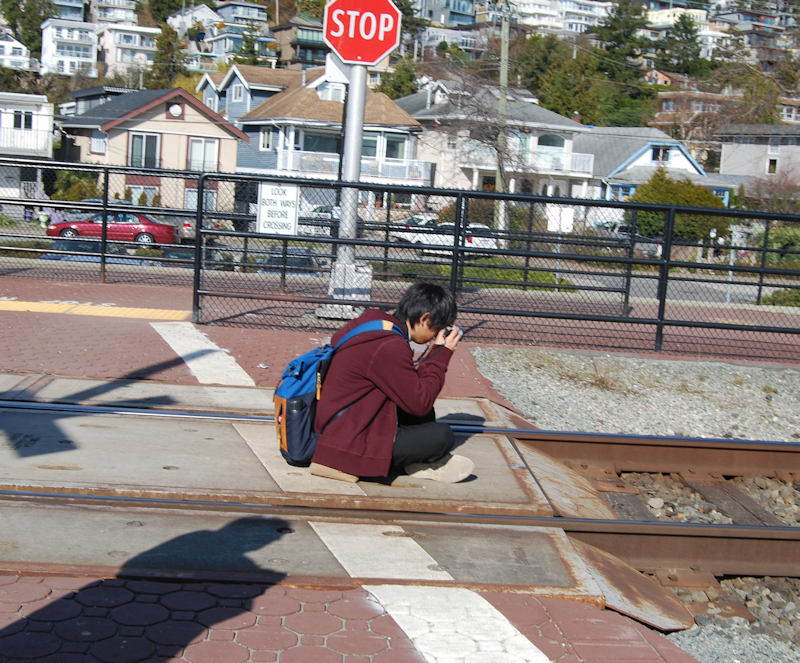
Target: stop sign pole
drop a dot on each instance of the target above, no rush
(360, 33)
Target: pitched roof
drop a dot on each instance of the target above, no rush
(614, 146)
(759, 130)
(255, 75)
(642, 174)
(124, 107)
(470, 102)
(303, 103)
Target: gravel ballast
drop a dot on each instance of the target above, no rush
(604, 393)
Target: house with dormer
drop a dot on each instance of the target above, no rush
(151, 131)
(626, 157)
(243, 87)
(298, 132)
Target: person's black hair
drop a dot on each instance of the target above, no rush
(431, 298)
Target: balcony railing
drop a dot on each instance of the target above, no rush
(566, 163)
(28, 142)
(327, 163)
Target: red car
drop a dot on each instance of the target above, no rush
(122, 227)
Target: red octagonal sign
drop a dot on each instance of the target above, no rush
(361, 31)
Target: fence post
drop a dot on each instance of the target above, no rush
(626, 297)
(663, 277)
(104, 229)
(763, 261)
(458, 222)
(198, 244)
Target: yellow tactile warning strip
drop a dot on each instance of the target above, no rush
(95, 310)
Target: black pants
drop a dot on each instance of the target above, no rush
(420, 439)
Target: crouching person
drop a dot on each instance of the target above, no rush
(375, 413)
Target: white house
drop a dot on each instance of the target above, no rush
(126, 47)
(13, 53)
(69, 47)
(26, 131)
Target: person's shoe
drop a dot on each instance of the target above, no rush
(331, 473)
(450, 469)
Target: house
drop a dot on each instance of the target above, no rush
(760, 150)
(113, 11)
(244, 87)
(626, 157)
(14, 54)
(126, 48)
(459, 121)
(199, 16)
(154, 129)
(69, 47)
(244, 14)
(300, 44)
(26, 132)
(299, 132)
(446, 12)
(83, 100)
(69, 10)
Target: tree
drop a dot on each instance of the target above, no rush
(410, 23)
(12, 12)
(248, 52)
(573, 85)
(311, 8)
(161, 9)
(400, 82)
(536, 58)
(623, 44)
(35, 12)
(168, 62)
(660, 188)
(680, 50)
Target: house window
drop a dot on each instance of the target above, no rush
(772, 166)
(452, 142)
(621, 192)
(137, 191)
(144, 151)
(395, 147)
(319, 142)
(369, 145)
(97, 142)
(660, 154)
(549, 140)
(266, 141)
(23, 119)
(669, 105)
(211, 102)
(331, 92)
(237, 92)
(203, 154)
(698, 106)
(190, 199)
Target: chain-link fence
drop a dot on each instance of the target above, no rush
(582, 273)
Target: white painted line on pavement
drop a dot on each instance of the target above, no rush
(455, 625)
(209, 363)
(378, 551)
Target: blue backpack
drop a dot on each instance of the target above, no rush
(299, 390)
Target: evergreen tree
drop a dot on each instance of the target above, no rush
(249, 50)
(12, 13)
(400, 82)
(410, 23)
(660, 188)
(34, 13)
(536, 58)
(679, 51)
(160, 9)
(311, 8)
(168, 62)
(621, 34)
(573, 85)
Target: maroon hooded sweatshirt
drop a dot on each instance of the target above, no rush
(371, 375)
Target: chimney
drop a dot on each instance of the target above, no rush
(576, 117)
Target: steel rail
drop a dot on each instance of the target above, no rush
(645, 545)
(615, 453)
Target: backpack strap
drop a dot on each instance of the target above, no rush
(372, 325)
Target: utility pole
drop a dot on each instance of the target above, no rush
(501, 216)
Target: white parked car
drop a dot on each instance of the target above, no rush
(409, 230)
(477, 236)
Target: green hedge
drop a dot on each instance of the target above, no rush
(787, 297)
(12, 249)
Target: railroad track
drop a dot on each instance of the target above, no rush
(755, 547)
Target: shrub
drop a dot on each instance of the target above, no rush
(14, 249)
(786, 297)
(784, 245)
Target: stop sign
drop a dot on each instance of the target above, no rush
(361, 31)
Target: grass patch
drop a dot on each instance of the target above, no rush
(483, 273)
(7, 222)
(787, 297)
(17, 249)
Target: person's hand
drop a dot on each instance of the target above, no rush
(450, 340)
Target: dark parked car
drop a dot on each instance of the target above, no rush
(294, 261)
(115, 254)
(122, 227)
